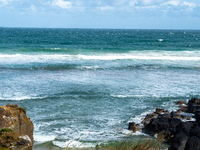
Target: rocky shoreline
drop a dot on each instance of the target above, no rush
(16, 129)
(181, 128)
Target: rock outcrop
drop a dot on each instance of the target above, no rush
(16, 129)
(176, 128)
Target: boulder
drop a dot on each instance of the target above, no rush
(134, 127)
(179, 142)
(194, 130)
(193, 143)
(183, 127)
(194, 101)
(148, 118)
(159, 110)
(181, 102)
(14, 118)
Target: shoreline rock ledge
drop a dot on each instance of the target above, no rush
(181, 128)
(16, 129)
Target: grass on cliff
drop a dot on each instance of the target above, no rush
(7, 136)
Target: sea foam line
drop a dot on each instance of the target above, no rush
(19, 98)
(132, 56)
(121, 57)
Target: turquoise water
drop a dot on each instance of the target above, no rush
(85, 85)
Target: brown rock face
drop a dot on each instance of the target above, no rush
(15, 118)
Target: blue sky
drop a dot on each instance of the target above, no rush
(126, 14)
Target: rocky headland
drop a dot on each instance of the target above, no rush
(16, 129)
(181, 128)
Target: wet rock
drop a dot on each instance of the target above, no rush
(182, 134)
(159, 110)
(194, 101)
(183, 108)
(148, 118)
(181, 102)
(164, 116)
(134, 127)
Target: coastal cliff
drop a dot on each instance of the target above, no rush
(16, 129)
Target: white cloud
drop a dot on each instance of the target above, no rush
(63, 4)
(188, 4)
(106, 8)
(33, 8)
(4, 2)
(174, 3)
(133, 3)
(120, 2)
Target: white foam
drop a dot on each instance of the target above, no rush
(129, 132)
(15, 98)
(160, 40)
(73, 144)
(138, 118)
(133, 55)
(121, 57)
(124, 96)
(43, 138)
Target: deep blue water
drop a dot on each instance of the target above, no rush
(87, 84)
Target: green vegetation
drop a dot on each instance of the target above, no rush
(6, 130)
(7, 136)
(142, 144)
(130, 144)
(21, 109)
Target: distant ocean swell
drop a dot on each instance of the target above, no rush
(149, 60)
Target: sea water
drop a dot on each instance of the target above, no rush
(85, 85)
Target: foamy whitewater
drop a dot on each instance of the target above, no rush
(81, 87)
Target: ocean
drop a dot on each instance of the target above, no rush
(83, 86)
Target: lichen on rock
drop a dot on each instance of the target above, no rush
(16, 129)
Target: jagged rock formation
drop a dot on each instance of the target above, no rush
(176, 128)
(16, 129)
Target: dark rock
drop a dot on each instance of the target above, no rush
(159, 110)
(197, 115)
(179, 142)
(148, 118)
(194, 101)
(175, 115)
(183, 127)
(193, 143)
(134, 127)
(183, 108)
(181, 102)
(164, 116)
(174, 122)
(185, 117)
(178, 111)
(194, 130)
(198, 134)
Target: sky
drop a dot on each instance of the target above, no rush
(114, 14)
